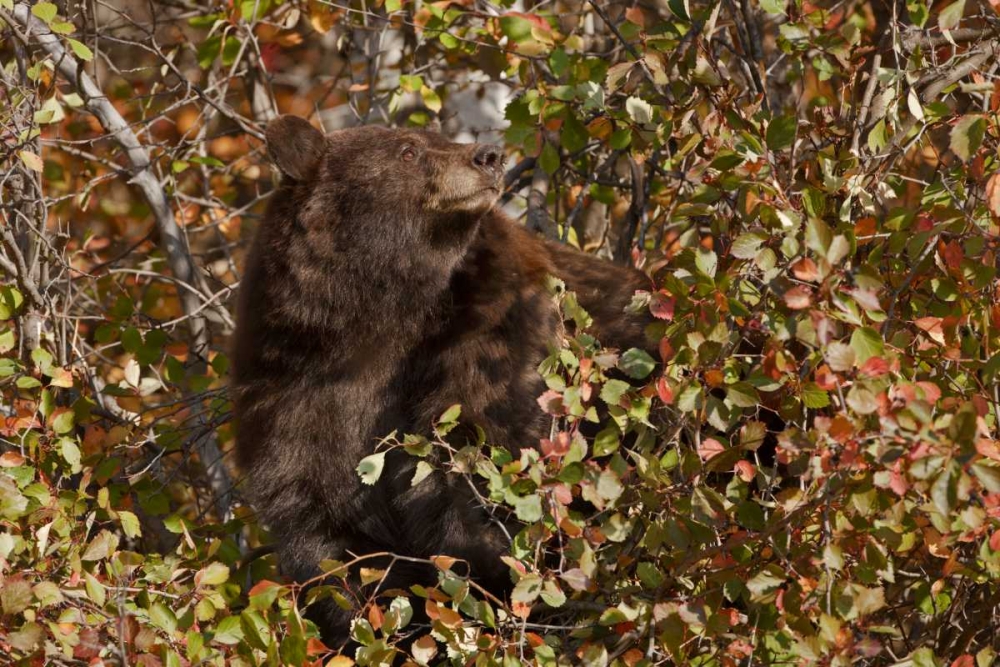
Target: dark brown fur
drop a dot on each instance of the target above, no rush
(382, 288)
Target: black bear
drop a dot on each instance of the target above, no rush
(384, 286)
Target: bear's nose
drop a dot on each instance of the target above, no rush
(489, 159)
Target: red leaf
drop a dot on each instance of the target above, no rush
(826, 379)
(710, 448)
(664, 391)
(551, 403)
(866, 298)
(865, 227)
(898, 483)
(662, 305)
(557, 448)
(874, 367)
(798, 298)
(953, 254)
(995, 541)
(932, 392)
(964, 661)
(988, 448)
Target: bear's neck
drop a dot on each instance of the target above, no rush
(369, 293)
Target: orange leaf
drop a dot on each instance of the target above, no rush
(11, 460)
(865, 227)
(634, 15)
(745, 470)
(932, 327)
(805, 269)
(993, 194)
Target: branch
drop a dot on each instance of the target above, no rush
(635, 211)
(178, 256)
(538, 214)
(98, 104)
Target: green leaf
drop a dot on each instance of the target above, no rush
(613, 390)
(527, 589)
(229, 631)
(967, 136)
(781, 132)
(212, 575)
(130, 523)
(102, 546)
(81, 50)
(691, 398)
(15, 595)
(451, 414)
(637, 363)
(707, 262)
(528, 508)
(163, 617)
(606, 442)
(866, 343)
(746, 245)
(63, 424)
(46, 11)
(420, 474)
(814, 397)
(95, 589)
(951, 15)
(549, 159)
(370, 467)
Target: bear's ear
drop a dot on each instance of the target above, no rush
(294, 146)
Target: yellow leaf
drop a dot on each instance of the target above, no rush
(30, 160)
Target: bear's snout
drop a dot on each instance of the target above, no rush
(490, 159)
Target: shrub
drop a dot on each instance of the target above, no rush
(808, 472)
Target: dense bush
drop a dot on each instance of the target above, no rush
(809, 471)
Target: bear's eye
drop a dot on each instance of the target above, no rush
(408, 154)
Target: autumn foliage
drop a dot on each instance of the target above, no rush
(808, 471)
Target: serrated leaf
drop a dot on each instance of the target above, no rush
(639, 110)
(746, 245)
(370, 468)
(528, 508)
(967, 136)
(707, 262)
(212, 575)
(866, 343)
(130, 523)
(636, 363)
(45, 11)
(163, 617)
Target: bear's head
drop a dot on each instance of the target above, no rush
(373, 185)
